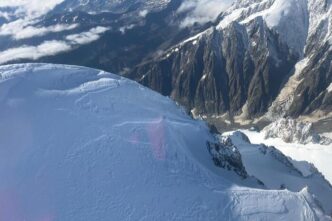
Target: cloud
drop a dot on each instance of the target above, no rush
(30, 8)
(202, 11)
(18, 30)
(5, 15)
(88, 36)
(53, 47)
(47, 48)
(23, 14)
(126, 28)
(143, 13)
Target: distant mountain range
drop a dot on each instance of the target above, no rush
(262, 56)
(270, 58)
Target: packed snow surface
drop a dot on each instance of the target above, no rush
(82, 144)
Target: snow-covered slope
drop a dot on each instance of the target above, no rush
(82, 144)
(296, 21)
(277, 171)
(288, 17)
(319, 155)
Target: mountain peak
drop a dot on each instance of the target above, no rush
(79, 143)
(283, 16)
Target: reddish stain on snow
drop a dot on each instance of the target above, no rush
(134, 138)
(15, 208)
(156, 133)
(10, 208)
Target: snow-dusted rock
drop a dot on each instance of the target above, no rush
(257, 53)
(226, 155)
(291, 130)
(287, 17)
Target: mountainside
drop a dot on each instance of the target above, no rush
(259, 53)
(83, 144)
(291, 131)
(255, 59)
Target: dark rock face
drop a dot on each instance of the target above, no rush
(317, 77)
(223, 70)
(226, 155)
(243, 66)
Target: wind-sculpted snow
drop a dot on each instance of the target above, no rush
(82, 144)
